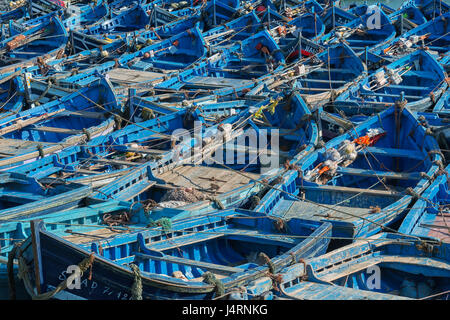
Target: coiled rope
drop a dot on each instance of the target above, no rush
(136, 288)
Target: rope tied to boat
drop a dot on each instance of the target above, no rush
(217, 202)
(410, 191)
(40, 150)
(279, 224)
(425, 247)
(24, 272)
(116, 219)
(438, 152)
(87, 133)
(211, 279)
(10, 271)
(136, 288)
(439, 164)
(164, 223)
(277, 279)
(425, 176)
(267, 261)
(118, 122)
(254, 202)
(44, 93)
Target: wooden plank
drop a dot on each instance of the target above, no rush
(310, 291)
(207, 82)
(193, 263)
(380, 174)
(372, 192)
(147, 151)
(113, 162)
(201, 177)
(57, 130)
(132, 76)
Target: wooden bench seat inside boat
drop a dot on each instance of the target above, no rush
(221, 269)
(380, 174)
(390, 261)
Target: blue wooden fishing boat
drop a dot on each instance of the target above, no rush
(22, 196)
(107, 56)
(14, 231)
(384, 267)
(407, 18)
(426, 219)
(417, 79)
(172, 267)
(404, 18)
(37, 8)
(236, 30)
(252, 57)
(44, 130)
(75, 17)
(105, 158)
(442, 107)
(334, 17)
(386, 165)
(360, 35)
(176, 53)
(310, 24)
(190, 183)
(12, 92)
(431, 8)
(48, 38)
(322, 76)
(432, 36)
(228, 72)
(14, 14)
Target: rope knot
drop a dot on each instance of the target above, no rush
(410, 191)
(211, 279)
(265, 258)
(136, 288)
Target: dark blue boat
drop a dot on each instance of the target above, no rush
(360, 34)
(442, 106)
(169, 264)
(322, 76)
(417, 79)
(432, 36)
(384, 267)
(48, 38)
(12, 92)
(363, 180)
(43, 130)
(188, 184)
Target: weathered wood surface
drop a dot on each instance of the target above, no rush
(204, 178)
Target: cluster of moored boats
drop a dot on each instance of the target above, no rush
(224, 149)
